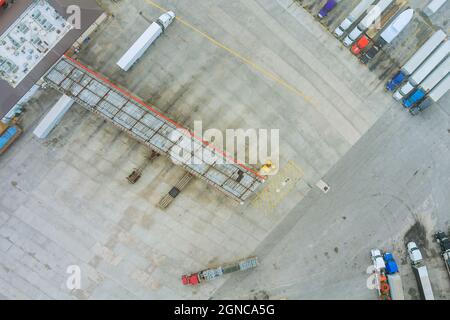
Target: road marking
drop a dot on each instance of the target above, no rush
(239, 56)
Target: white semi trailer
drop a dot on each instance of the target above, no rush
(356, 13)
(433, 7)
(424, 52)
(368, 20)
(397, 26)
(53, 117)
(436, 76)
(424, 70)
(145, 41)
(420, 271)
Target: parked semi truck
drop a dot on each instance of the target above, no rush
(434, 96)
(327, 8)
(416, 60)
(420, 272)
(356, 13)
(424, 70)
(145, 41)
(365, 40)
(444, 243)
(394, 278)
(428, 84)
(368, 20)
(385, 19)
(211, 274)
(389, 34)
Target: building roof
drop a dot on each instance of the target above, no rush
(90, 12)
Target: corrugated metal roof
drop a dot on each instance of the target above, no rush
(90, 12)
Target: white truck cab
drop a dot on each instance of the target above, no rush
(377, 258)
(166, 19)
(414, 253)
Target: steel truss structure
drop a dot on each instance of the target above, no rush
(145, 124)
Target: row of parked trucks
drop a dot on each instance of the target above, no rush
(365, 39)
(425, 78)
(389, 283)
(432, 7)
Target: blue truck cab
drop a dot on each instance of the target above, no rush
(395, 82)
(327, 8)
(414, 98)
(391, 265)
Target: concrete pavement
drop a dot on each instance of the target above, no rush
(65, 201)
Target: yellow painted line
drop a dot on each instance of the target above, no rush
(236, 54)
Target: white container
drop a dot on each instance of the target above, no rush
(374, 14)
(440, 90)
(423, 281)
(53, 117)
(145, 41)
(395, 282)
(427, 48)
(356, 13)
(397, 26)
(436, 76)
(433, 7)
(432, 62)
(368, 20)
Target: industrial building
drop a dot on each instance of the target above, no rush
(39, 33)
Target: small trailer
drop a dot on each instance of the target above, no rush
(211, 274)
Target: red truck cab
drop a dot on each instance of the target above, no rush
(190, 280)
(360, 45)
